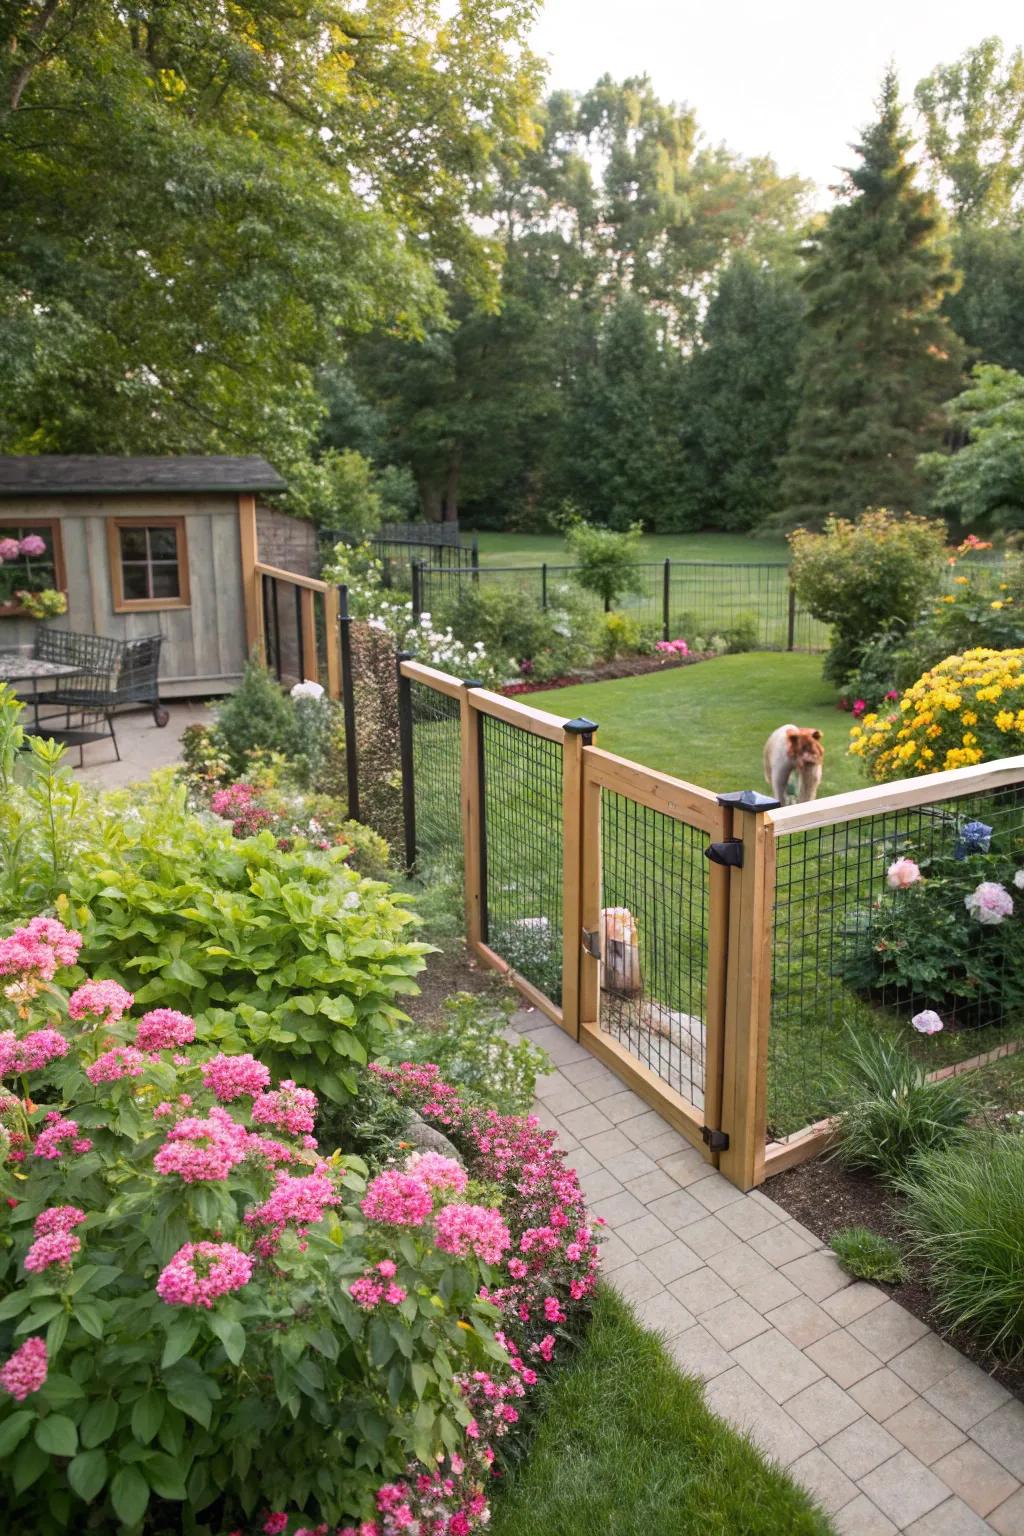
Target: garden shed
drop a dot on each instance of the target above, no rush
(140, 546)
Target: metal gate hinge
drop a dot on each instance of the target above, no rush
(718, 1141)
(592, 942)
(729, 853)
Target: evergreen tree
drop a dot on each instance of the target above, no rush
(738, 400)
(879, 356)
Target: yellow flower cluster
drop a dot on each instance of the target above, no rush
(968, 709)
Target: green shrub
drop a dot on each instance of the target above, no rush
(965, 1210)
(890, 1112)
(620, 635)
(469, 1045)
(743, 633)
(607, 563)
(545, 642)
(286, 953)
(860, 577)
(257, 717)
(868, 1255)
(41, 807)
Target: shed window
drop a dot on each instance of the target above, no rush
(31, 560)
(148, 562)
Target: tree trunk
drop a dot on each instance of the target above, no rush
(451, 490)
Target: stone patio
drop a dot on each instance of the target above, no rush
(144, 746)
(888, 1427)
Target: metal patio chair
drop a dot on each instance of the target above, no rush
(114, 673)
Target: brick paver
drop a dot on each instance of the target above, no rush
(886, 1425)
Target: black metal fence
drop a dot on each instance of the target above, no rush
(680, 599)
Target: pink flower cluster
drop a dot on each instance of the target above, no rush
(232, 1077)
(371, 1289)
(399, 1199)
(901, 874)
(673, 647)
(200, 1272)
(437, 1172)
(198, 1149)
(32, 1053)
(25, 1371)
(57, 1131)
(163, 1028)
(51, 1248)
(106, 1000)
(298, 1203)
(235, 798)
(38, 949)
(290, 1108)
(112, 1065)
(465, 1229)
(31, 544)
(989, 903)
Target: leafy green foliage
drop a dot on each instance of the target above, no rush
(986, 310)
(743, 633)
(288, 954)
(550, 641)
(861, 576)
(469, 1044)
(965, 1208)
(981, 485)
(605, 561)
(890, 1111)
(41, 806)
(974, 131)
(868, 1255)
(258, 717)
(879, 357)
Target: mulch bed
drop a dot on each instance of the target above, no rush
(826, 1198)
(451, 970)
(605, 671)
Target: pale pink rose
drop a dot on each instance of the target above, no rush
(927, 1023)
(903, 873)
(990, 902)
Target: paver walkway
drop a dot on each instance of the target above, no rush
(890, 1428)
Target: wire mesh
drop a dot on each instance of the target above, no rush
(854, 950)
(375, 694)
(654, 897)
(522, 796)
(436, 746)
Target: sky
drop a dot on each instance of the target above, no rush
(795, 79)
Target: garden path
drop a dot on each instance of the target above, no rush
(145, 747)
(889, 1427)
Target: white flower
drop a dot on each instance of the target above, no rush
(1018, 879)
(307, 690)
(927, 1023)
(351, 901)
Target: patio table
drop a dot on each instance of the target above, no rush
(17, 668)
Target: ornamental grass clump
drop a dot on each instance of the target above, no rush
(967, 709)
(205, 1320)
(890, 1112)
(965, 1211)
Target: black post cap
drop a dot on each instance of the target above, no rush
(749, 800)
(473, 682)
(580, 726)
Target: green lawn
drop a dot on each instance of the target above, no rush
(728, 548)
(627, 1447)
(708, 723)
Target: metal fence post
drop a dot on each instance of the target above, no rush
(407, 760)
(666, 598)
(474, 816)
(579, 733)
(474, 559)
(348, 705)
(791, 619)
(748, 986)
(416, 568)
(544, 585)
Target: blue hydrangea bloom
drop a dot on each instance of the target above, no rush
(975, 837)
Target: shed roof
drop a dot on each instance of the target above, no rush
(93, 474)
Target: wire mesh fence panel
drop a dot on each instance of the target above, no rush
(522, 799)
(375, 689)
(654, 899)
(282, 627)
(436, 747)
(906, 915)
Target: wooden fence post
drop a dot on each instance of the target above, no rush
(255, 639)
(579, 733)
(332, 636)
(407, 759)
(748, 990)
(474, 844)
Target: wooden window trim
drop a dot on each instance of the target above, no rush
(124, 604)
(52, 525)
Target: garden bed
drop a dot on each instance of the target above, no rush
(827, 1198)
(609, 671)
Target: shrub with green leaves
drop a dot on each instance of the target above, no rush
(890, 1112)
(258, 717)
(607, 562)
(743, 633)
(868, 1255)
(470, 1047)
(42, 810)
(965, 1210)
(287, 953)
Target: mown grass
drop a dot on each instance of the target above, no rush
(708, 723)
(727, 548)
(627, 1447)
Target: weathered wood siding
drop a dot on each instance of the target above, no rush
(204, 644)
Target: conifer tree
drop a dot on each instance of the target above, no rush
(879, 357)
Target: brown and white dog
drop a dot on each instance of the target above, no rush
(790, 751)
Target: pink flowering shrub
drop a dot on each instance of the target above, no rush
(286, 1338)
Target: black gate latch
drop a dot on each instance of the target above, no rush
(718, 1141)
(730, 852)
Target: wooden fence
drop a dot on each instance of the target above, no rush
(296, 631)
(654, 921)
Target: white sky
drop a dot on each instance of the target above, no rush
(795, 79)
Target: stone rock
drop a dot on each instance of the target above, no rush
(424, 1138)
